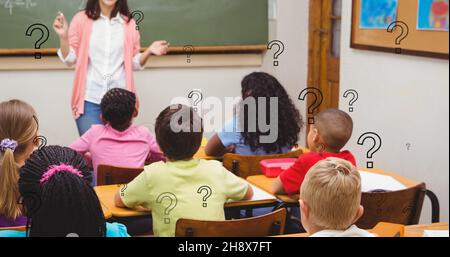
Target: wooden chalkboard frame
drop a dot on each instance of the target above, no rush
(172, 50)
(376, 47)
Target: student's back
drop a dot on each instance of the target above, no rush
(267, 121)
(176, 188)
(118, 142)
(182, 180)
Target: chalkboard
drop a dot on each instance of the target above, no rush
(205, 24)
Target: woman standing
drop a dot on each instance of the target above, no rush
(103, 43)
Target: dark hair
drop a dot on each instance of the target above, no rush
(184, 142)
(262, 85)
(65, 203)
(117, 107)
(92, 9)
(335, 127)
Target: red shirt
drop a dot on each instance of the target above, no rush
(293, 177)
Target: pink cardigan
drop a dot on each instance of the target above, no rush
(79, 38)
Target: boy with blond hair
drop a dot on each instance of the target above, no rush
(330, 198)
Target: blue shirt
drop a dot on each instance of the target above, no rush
(230, 136)
(112, 230)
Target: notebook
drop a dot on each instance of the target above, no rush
(258, 195)
(371, 181)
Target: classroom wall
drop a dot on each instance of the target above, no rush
(50, 91)
(405, 99)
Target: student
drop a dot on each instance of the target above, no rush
(257, 86)
(331, 131)
(330, 200)
(18, 131)
(57, 197)
(118, 142)
(177, 181)
(104, 45)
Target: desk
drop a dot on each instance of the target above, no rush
(265, 183)
(106, 196)
(410, 231)
(202, 155)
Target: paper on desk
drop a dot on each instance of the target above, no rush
(435, 233)
(371, 181)
(258, 195)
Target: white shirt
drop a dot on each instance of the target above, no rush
(353, 231)
(106, 67)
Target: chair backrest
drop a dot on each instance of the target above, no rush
(110, 175)
(267, 225)
(248, 165)
(400, 207)
(21, 228)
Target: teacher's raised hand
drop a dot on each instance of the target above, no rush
(61, 27)
(156, 48)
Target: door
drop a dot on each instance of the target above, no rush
(324, 51)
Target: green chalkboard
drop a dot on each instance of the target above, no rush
(182, 22)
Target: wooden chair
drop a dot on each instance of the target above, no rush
(267, 225)
(248, 165)
(400, 207)
(110, 175)
(20, 228)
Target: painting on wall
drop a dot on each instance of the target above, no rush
(378, 14)
(433, 15)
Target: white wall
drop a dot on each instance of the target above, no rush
(404, 99)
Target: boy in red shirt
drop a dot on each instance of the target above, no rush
(331, 131)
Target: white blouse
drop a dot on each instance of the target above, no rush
(106, 67)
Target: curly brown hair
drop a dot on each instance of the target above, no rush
(260, 85)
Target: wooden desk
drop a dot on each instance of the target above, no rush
(106, 196)
(410, 231)
(202, 155)
(265, 183)
(417, 230)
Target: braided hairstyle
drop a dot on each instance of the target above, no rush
(65, 203)
(118, 107)
(262, 85)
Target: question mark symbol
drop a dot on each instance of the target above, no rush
(40, 141)
(354, 98)
(408, 146)
(403, 34)
(189, 50)
(207, 195)
(376, 145)
(44, 37)
(278, 52)
(122, 190)
(317, 101)
(139, 19)
(197, 99)
(170, 207)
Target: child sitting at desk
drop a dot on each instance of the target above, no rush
(176, 183)
(118, 142)
(331, 131)
(330, 200)
(58, 200)
(245, 135)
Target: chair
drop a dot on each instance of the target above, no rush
(267, 225)
(248, 165)
(110, 175)
(400, 207)
(20, 228)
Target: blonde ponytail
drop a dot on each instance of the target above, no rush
(9, 176)
(18, 129)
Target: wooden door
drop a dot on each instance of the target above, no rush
(324, 51)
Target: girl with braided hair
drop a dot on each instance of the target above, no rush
(57, 197)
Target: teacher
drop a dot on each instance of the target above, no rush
(103, 43)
